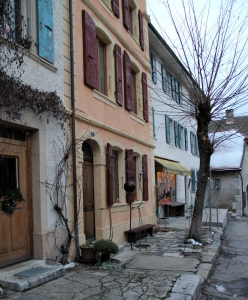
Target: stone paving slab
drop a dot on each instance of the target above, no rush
(147, 262)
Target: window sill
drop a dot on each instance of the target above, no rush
(136, 118)
(42, 62)
(117, 207)
(104, 99)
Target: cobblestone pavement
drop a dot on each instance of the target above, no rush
(92, 283)
(229, 277)
(110, 281)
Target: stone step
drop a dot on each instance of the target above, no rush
(29, 274)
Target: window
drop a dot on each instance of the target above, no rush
(153, 66)
(8, 167)
(176, 90)
(101, 48)
(133, 92)
(217, 184)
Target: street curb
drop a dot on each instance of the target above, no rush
(187, 287)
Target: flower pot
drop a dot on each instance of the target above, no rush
(88, 254)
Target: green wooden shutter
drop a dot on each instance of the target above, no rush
(172, 86)
(45, 30)
(196, 146)
(176, 126)
(177, 90)
(180, 134)
(164, 79)
(180, 94)
(192, 142)
(193, 185)
(154, 70)
(167, 125)
(186, 138)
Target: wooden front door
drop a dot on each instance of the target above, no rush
(88, 192)
(14, 227)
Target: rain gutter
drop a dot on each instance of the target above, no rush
(73, 134)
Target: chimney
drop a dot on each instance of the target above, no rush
(229, 116)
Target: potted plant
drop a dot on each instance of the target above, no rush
(88, 253)
(104, 248)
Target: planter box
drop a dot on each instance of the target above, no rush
(88, 254)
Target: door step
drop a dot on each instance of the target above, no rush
(29, 274)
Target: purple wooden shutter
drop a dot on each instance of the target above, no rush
(90, 51)
(115, 8)
(126, 14)
(118, 75)
(109, 166)
(127, 81)
(130, 172)
(141, 31)
(145, 97)
(145, 177)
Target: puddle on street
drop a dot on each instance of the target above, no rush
(234, 288)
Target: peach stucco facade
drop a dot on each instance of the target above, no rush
(100, 120)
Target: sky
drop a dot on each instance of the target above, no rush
(162, 20)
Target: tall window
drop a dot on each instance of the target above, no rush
(101, 67)
(134, 98)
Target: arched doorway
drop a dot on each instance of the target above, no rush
(88, 192)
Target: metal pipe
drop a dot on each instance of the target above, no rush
(210, 202)
(73, 134)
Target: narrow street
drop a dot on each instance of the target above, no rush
(229, 277)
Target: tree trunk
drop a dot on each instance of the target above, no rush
(205, 151)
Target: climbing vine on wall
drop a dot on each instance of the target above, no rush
(16, 97)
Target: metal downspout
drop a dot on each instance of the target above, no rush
(242, 191)
(73, 134)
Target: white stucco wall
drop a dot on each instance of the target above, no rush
(164, 104)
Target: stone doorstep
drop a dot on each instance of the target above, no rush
(9, 281)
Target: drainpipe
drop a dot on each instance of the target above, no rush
(73, 134)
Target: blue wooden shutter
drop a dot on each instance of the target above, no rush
(172, 87)
(176, 90)
(154, 70)
(180, 94)
(186, 138)
(193, 181)
(45, 30)
(180, 135)
(176, 126)
(196, 146)
(167, 124)
(192, 142)
(164, 79)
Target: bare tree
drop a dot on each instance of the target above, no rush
(213, 53)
